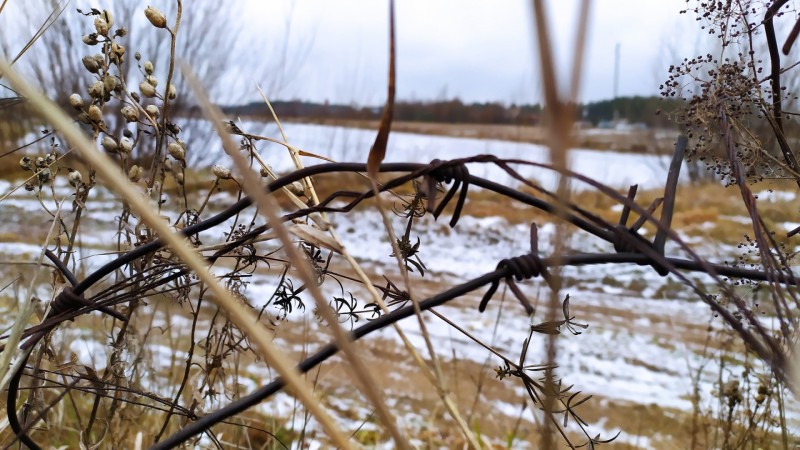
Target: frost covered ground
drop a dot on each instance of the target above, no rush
(645, 338)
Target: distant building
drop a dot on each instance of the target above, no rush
(622, 125)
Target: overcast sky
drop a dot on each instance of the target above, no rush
(476, 50)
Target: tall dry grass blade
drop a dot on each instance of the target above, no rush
(580, 51)
(268, 207)
(557, 149)
(244, 319)
(48, 22)
(295, 154)
(274, 116)
(794, 368)
(378, 151)
(561, 114)
(11, 345)
(376, 156)
(433, 378)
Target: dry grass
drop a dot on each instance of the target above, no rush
(230, 345)
(387, 357)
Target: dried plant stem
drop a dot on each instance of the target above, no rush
(35, 174)
(238, 314)
(376, 155)
(561, 114)
(161, 130)
(268, 207)
(51, 19)
(26, 310)
(433, 378)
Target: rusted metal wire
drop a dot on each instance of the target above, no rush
(630, 247)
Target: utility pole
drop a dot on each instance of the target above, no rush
(616, 70)
(616, 80)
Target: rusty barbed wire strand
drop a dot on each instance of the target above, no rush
(636, 250)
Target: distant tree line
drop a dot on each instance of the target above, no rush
(652, 111)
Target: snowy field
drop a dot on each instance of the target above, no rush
(641, 360)
(618, 170)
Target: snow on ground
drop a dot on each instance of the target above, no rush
(618, 170)
(776, 196)
(634, 357)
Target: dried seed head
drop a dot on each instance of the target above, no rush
(90, 39)
(118, 49)
(135, 173)
(152, 110)
(138, 56)
(110, 144)
(40, 163)
(76, 101)
(174, 129)
(44, 175)
(95, 115)
(130, 113)
(101, 26)
(28, 187)
(75, 178)
(108, 18)
(109, 83)
(91, 64)
(147, 89)
(97, 89)
(172, 92)
(168, 165)
(221, 172)
(26, 163)
(148, 67)
(179, 178)
(84, 118)
(176, 151)
(730, 388)
(151, 80)
(49, 158)
(118, 52)
(125, 145)
(155, 17)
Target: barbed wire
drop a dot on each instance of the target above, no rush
(629, 246)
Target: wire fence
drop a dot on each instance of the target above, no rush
(630, 247)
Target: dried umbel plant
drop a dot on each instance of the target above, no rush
(736, 87)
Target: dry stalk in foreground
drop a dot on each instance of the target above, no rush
(238, 314)
(267, 206)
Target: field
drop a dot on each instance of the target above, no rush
(176, 278)
(657, 142)
(652, 350)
